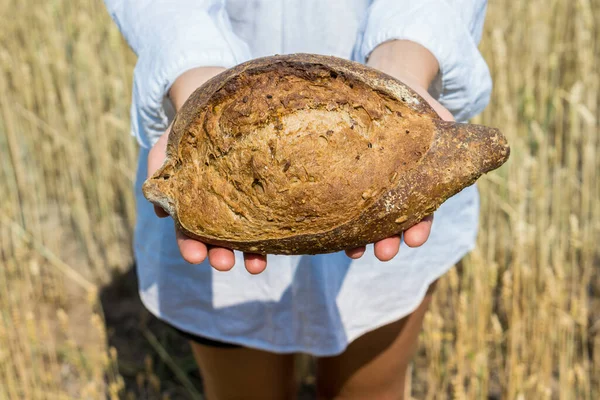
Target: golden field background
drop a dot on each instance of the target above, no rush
(520, 318)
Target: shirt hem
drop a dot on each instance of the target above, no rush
(287, 349)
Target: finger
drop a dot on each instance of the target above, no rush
(156, 157)
(221, 259)
(160, 212)
(356, 252)
(387, 248)
(255, 263)
(158, 152)
(439, 109)
(418, 234)
(191, 250)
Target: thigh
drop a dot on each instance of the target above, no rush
(374, 365)
(243, 373)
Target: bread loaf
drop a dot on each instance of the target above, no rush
(308, 154)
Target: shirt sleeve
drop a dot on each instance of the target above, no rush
(170, 37)
(450, 30)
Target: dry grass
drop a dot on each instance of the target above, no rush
(519, 320)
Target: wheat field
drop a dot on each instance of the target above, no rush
(519, 319)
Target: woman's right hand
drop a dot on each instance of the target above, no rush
(193, 251)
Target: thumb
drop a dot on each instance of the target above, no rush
(160, 212)
(158, 153)
(156, 158)
(422, 91)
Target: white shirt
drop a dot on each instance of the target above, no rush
(312, 304)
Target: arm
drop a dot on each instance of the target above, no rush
(405, 60)
(169, 38)
(448, 32)
(415, 66)
(179, 44)
(431, 47)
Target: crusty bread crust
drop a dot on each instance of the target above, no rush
(309, 154)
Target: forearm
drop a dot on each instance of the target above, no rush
(405, 60)
(188, 82)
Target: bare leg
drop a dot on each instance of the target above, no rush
(242, 373)
(374, 366)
